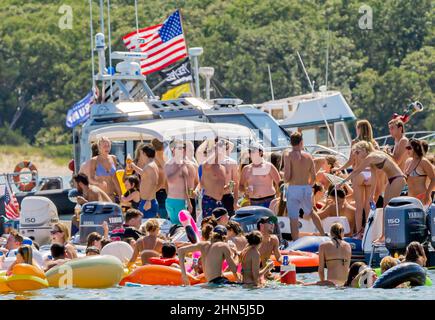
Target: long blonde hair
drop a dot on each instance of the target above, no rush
(365, 131)
(364, 145)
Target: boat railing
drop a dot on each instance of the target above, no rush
(429, 136)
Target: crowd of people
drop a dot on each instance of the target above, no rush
(212, 186)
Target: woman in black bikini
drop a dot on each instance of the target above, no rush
(378, 160)
(335, 255)
(419, 171)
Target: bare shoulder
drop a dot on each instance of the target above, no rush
(274, 239)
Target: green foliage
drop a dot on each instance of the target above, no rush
(379, 71)
(8, 136)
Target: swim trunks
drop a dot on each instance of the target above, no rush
(299, 197)
(150, 213)
(173, 207)
(208, 205)
(262, 202)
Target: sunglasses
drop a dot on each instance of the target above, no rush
(55, 231)
(408, 148)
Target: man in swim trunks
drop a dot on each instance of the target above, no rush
(270, 242)
(300, 175)
(149, 182)
(213, 180)
(160, 160)
(177, 172)
(213, 254)
(399, 153)
(260, 179)
(90, 193)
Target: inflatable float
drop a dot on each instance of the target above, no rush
(403, 272)
(305, 262)
(25, 277)
(189, 224)
(88, 272)
(427, 283)
(119, 249)
(163, 275)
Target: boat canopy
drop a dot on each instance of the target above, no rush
(167, 130)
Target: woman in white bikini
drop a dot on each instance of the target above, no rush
(362, 182)
(378, 160)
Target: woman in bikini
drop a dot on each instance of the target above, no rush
(361, 182)
(378, 160)
(103, 170)
(418, 171)
(251, 260)
(335, 255)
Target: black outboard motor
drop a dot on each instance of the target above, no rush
(404, 222)
(94, 214)
(248, 217)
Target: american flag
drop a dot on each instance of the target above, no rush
(164, 44)
(12, 208)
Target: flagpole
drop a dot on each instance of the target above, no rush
(110, 47)
(185, 41)
(92, 42)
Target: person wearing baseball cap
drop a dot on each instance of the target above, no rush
(270, 242)
(221, 215)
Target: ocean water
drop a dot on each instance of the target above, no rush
(273, 291)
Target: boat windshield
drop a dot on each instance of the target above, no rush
(267, 131)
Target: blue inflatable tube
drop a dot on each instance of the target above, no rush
(404, 272)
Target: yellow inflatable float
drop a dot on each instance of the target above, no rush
(24, 277)
(88, 272)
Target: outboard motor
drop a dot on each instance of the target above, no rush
(38, 215)
(248, 217)
(94, 214)
(404, 222)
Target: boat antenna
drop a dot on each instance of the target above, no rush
(92, 43)
(327, 60)
(270, 81)
(318, 105)
(102, 16)
(137, 19)
(110, 48)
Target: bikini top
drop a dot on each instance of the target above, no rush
(343, 260)
(102, 172)
(380, 165)
(414, 172)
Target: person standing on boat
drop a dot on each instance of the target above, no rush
(378, 160)
(160, 160)
(362, 182)
(300, 175)
(260, 179)
(149, 182)
(103, 170)
(397, 131)
(177, 172)
(418, 171)
(213, 180)
(335, 255)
